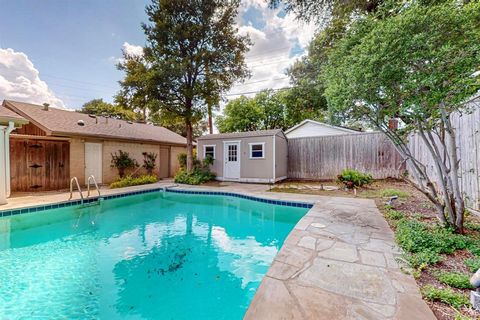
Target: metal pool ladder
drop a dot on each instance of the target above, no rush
(92, 178)
(74, 179)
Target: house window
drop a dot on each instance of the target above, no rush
(209, 151)
(257, 150)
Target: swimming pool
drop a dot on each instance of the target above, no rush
(157, 255)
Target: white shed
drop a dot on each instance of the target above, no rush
(311, 128)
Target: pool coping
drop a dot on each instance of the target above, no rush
(171, 189)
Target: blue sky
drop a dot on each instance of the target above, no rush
(65, 51)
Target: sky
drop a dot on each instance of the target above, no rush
(65, 52)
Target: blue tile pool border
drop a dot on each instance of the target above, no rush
(242, 196)
(63, 204)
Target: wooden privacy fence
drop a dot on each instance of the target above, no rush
(323, 158)
(467, 130)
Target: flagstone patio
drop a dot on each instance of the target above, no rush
(337, 263)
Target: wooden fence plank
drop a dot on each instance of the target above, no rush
(323, 158)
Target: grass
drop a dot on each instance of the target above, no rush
(455, 280)
(131, 181)
(394, 192)
(445, 295)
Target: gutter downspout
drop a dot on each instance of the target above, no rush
(10, 128)
(3, 184)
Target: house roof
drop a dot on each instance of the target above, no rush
(57, 122)
(320, 124)
(7, 115)
(258, 133)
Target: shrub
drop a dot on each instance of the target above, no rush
(149, 161)
(414, 236)
(448, 296)
(473, 264)
(394, 192)
(393, 214)
(182, 160)
(200, 174)
(197, 176)
(131, 181)
(455, 280)
(122, 161)
(353, 179)
(419, 260)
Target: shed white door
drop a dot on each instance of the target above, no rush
(232, 160)
(93, 161)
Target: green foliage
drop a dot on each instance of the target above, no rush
(395, 192)
(394, 214)
(182, 160)
(122, 161)
(200, 174)
(455, 280)
(405, 65)
(197, 176)
(99, 107)
(353, 179)
(419, 260)
(241, 114)
(415, 237)
(131, 181)
(473, 264)
(448, 296)
(149, 161)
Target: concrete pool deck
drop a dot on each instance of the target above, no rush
(337, 263)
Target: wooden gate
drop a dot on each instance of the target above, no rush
(39, 165)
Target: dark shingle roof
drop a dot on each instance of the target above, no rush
(59, 122)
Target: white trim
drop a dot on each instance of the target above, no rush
(214, 150)
(274, 159)
(239, 156)
(320, 124)
(250, 144)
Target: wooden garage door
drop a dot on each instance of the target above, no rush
(39, 165)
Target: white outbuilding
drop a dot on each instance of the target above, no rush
(311, 128)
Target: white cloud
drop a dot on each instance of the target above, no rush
(19, 80)
(132, 50)
(276, 45)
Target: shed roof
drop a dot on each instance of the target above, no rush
(57, 122)
(246, 134)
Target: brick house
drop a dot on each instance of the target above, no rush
(56, 145)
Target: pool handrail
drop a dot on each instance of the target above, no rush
(74, 179)
(92, 177)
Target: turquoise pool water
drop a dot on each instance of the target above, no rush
(150, 256)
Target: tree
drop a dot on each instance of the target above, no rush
(183, 37)
(240, 114)
(136, 86)
(419, 66)
(325, 11)
(177, 124)
(101, 108)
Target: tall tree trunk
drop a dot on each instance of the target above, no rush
(210, 121)
(454, 160)
(188, 125)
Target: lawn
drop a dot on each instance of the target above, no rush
(441, 261)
